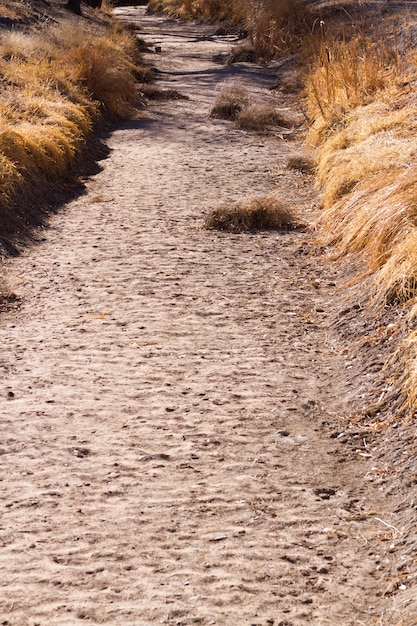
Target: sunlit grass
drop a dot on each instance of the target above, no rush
(363, 115)
(57, 83)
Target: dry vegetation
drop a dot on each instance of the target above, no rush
(234, 102)
(230, 101)
(57, 85)
(265, 213)
(262, 117)
(361, 102)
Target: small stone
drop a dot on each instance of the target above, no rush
(283, 433)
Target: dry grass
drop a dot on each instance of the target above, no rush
(231, 100)
(275, 26)
(375, 220)
(364, 128)
(261, 118)
(107, 75)
(370, 188)
(264, 213)
(364, 122)
(205, 9)
(243, 53)
(346, 74)
(15, 10)
(235, 103)
(56, 85)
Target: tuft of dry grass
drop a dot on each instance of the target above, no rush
(231, 100)
(265, 213)
(234, 103)
(261, 117)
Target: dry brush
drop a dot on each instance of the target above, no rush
(363, 111)
(57, 84)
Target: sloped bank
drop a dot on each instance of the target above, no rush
(62, 76)
(361, 100)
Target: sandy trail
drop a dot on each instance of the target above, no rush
(170, 396)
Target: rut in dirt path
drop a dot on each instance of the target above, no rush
(168, 393)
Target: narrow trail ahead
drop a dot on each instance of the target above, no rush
(171, 396)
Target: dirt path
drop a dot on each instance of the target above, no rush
(171, 399)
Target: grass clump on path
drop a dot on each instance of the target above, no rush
(234, 103)
(263, 213)
(261, 117)
(230, 102)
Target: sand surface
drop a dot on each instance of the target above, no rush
(173, 399)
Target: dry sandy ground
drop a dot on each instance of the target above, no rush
(172, 399)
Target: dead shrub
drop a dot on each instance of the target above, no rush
(231, 101)
(264, 213)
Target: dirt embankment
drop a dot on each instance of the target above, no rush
(175, 444)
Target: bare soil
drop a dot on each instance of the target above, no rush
(175, 401)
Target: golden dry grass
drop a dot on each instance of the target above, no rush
(264, 213)
(56, 85)
(261, 118)
(275, 26)
(230, 101)
(369, 186)
(364, 120)
(344, 74)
